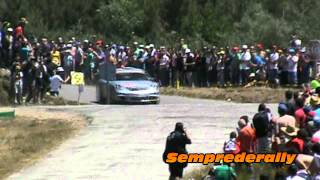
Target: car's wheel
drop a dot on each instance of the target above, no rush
(156, 102)
(102, 100)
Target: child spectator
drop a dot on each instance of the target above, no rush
(230, 146)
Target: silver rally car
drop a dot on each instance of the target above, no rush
(129, 85)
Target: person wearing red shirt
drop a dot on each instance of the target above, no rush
(299, 114)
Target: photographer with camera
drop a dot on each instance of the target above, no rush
(176, 142)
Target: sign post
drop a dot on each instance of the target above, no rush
(77, 78)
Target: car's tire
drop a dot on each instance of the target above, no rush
(102, 100)
(156, 102)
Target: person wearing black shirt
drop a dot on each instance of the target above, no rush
(261, 123)
(176, 142)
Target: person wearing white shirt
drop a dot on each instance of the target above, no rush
(55, 84)
(292, 67)
(272, 66)
(245, 65)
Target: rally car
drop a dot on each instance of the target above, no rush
(129, 85)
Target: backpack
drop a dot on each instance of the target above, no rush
(69, 60)
(261, 123)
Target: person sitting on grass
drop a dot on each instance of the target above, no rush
(231, 146)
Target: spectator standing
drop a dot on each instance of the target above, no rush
(55, 56)
(245, 65)
(189, 68)
(261, 124)
(292, 67)
(55, 84)
(272, 65)
(164, 68)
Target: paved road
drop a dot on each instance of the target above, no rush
(126, 142)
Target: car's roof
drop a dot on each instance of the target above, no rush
(130, 70)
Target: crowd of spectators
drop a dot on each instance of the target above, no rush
(34, 61)
(295, 130)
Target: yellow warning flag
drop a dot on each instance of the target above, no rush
(77, 78)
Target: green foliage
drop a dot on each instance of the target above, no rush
(201, 22)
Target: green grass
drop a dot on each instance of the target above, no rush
(235, 94)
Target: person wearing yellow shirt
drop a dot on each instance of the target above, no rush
(55, 56)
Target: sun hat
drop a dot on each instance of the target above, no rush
(314, 100)
(290, 130)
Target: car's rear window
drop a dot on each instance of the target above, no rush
(130, 77)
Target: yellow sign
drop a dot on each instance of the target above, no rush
(77, 78)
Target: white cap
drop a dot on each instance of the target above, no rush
(151, 45)
(188, 51)
(60, 69)
(244, 46)
(9, 29)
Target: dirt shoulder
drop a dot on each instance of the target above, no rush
(238, 94)
(32, 134)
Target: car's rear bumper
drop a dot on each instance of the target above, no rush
(133, 98)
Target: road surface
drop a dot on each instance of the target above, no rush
(127, 141)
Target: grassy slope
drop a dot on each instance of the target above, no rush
(242, 95)
(24, 140)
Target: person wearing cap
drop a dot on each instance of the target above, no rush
(221, 67)
(189, 64)
(292, 66)
(245, 65)
(55, 82)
